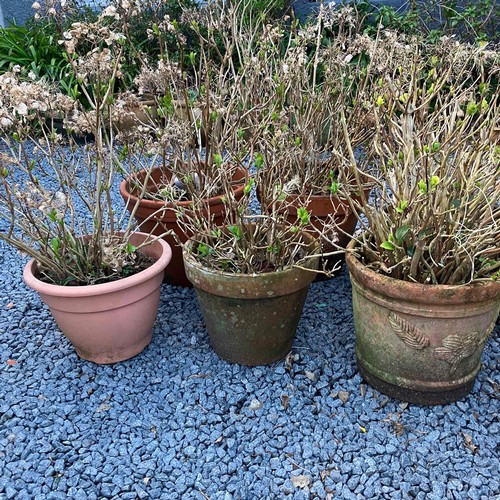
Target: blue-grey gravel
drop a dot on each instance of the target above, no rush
(178, 422)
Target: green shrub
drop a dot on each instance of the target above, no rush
(34, 48)
(470, 20)
(267, 9)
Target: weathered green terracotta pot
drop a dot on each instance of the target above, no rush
(251, 319)
(420, 343)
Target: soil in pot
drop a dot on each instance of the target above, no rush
(420, 343)
(113, 321)
(158, 224)
(251, 319)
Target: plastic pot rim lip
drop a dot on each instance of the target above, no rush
(429, 293)
(102, 288)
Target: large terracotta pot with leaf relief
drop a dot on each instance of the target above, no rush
(420, 343)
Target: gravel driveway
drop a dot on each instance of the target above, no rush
(177, 422)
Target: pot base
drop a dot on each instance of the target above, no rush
(115, 355)
(414, 396)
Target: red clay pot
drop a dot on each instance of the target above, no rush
(321, 207)
(109, 322)
(157, 225)
(420, 343)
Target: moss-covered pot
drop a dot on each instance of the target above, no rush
(416, 342)
(251, 319)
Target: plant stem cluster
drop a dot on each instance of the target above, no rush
(280, 110)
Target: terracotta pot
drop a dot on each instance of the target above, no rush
(251, 319)
(167, 219)
(321, 207)
(144, 114)
(420, 343)
(109, 322)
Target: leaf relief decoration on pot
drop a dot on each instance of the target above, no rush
(457, 348)
(408, 333)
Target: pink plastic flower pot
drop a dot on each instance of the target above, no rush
(109, 322)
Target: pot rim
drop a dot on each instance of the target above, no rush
(418, 292)
(102, 288)
(157, 204)
(207, 270)
(294, 196)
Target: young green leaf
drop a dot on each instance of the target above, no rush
(472, 108)
(259, 161)
(422, 185)
(55, 244)
(401, 206)
(204, 250)
(248, 187)
(434, 181)
(401, 232)
(274, 249)
(303, 216)
(218, 159)
(435, 147)
(236, 231)
(404, 97)
(52, 215)
(387, 245)
(334, 187)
